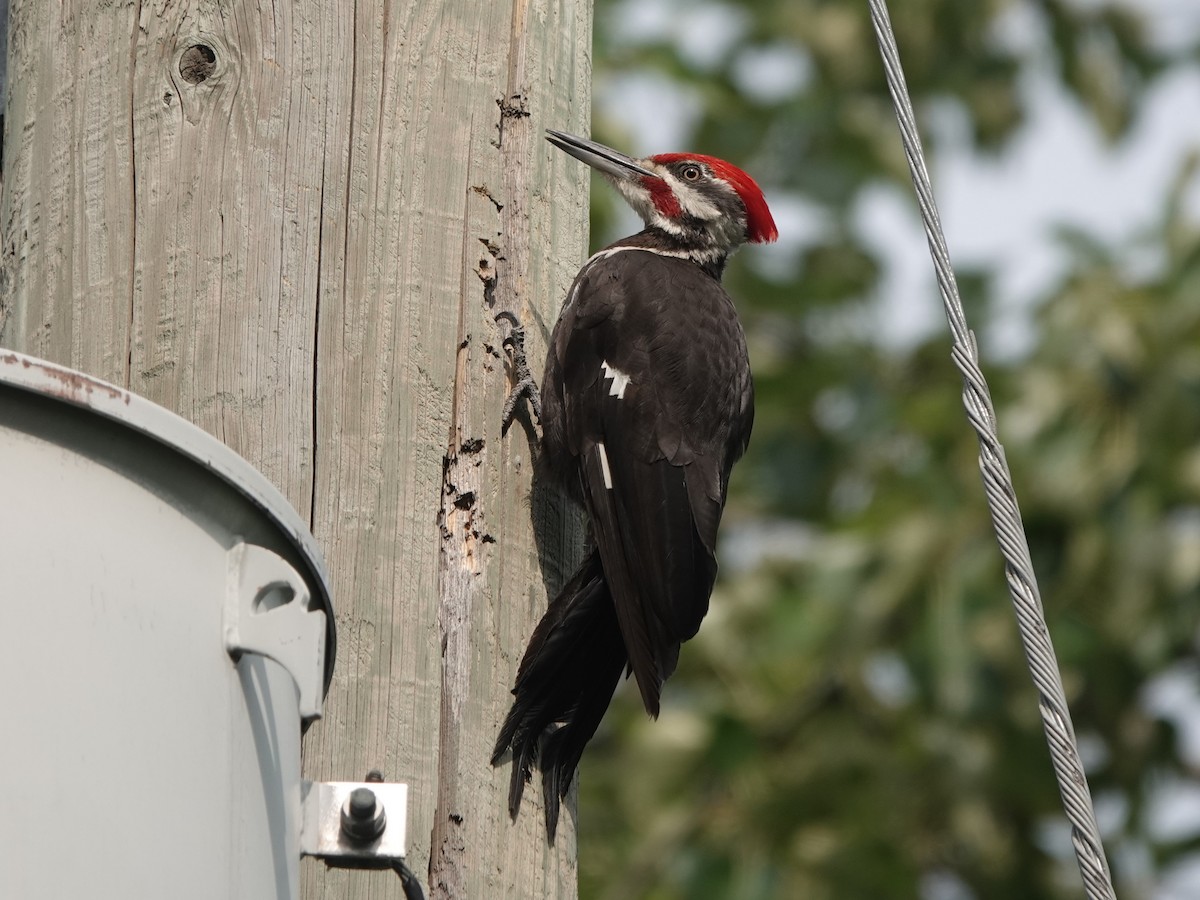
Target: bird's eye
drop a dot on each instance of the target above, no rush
(692, 173)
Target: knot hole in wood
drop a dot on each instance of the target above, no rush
(197, 63)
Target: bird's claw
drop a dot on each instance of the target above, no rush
(525, 385)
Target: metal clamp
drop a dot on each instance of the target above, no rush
(354, 824)
(268, 612)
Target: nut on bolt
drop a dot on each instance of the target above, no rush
(363, 816)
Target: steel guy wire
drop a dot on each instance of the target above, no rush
(1001, 499)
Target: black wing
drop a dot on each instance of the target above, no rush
(648, 392)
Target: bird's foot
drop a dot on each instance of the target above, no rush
(525, 386)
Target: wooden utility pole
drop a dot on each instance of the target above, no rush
(293, 223)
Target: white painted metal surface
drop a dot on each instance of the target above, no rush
(139, 760)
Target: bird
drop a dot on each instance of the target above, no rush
(646, 403)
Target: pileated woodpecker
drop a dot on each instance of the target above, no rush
(646, 404)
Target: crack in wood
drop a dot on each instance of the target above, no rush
(513, 107)
(483, 191)
(461, 587)
(488, 272)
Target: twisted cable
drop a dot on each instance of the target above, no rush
(1002, 500)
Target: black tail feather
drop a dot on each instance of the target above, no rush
(564, 685)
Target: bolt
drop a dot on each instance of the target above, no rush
(363, 818)
(362, 804)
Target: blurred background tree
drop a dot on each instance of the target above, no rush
(855, 718)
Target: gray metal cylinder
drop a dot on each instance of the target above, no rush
(167, 629)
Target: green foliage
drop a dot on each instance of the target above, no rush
(855, 718)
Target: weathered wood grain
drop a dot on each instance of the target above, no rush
(300, 244)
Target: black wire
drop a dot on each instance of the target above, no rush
(412, 887)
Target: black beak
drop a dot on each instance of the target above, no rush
(601, 158)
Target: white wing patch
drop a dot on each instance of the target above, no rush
(604, 466)
(620, 380)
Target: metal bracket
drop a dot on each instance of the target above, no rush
(354, 824)
(268, 612)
